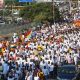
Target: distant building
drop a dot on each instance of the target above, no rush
(59, 1)
(50, 0)
(43, 0)
(79, 4)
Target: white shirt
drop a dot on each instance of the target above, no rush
(29, 77)
(31, 63)
(36, 58)
(51, 68)
(45, 71)
(5, 68)
(10, 78)
(36, 78)
(43, 64)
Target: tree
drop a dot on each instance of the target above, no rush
(5, 12)
(40, 12)
(13, 2)
(57, 15)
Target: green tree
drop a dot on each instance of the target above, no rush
(13, 2)
(40, 12)
(57, 15)
(5, 12)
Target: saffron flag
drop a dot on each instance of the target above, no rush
(77, 23)
(1, 4)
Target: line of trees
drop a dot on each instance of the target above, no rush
(40, 12)
(37, 12)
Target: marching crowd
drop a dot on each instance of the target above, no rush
(36, 54)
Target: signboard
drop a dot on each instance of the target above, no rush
(25, 0)
(1, 4)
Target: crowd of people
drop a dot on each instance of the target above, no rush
(35, 54)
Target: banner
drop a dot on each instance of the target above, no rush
(25, 0)
(1, 4)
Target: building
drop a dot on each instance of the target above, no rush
(79, 4)
(43, 1)
(59, 1)
(50, 1)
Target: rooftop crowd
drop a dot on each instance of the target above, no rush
(35, 54)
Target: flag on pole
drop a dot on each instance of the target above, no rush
(1, 4)
(28, 34)
(25, 0)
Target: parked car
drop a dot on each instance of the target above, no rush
(66, 72)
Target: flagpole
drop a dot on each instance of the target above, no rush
(53, 9)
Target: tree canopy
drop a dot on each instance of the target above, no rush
(40, 12)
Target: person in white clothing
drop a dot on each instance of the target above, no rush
(5, 68)
(75, 59)
(10, 76)
(46, 72)
(36, 77)
(29, 77)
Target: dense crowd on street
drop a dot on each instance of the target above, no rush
(36, 53)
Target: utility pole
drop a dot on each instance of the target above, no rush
(53, 11)
(70, 2)
(53, 4)
(78, 4)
